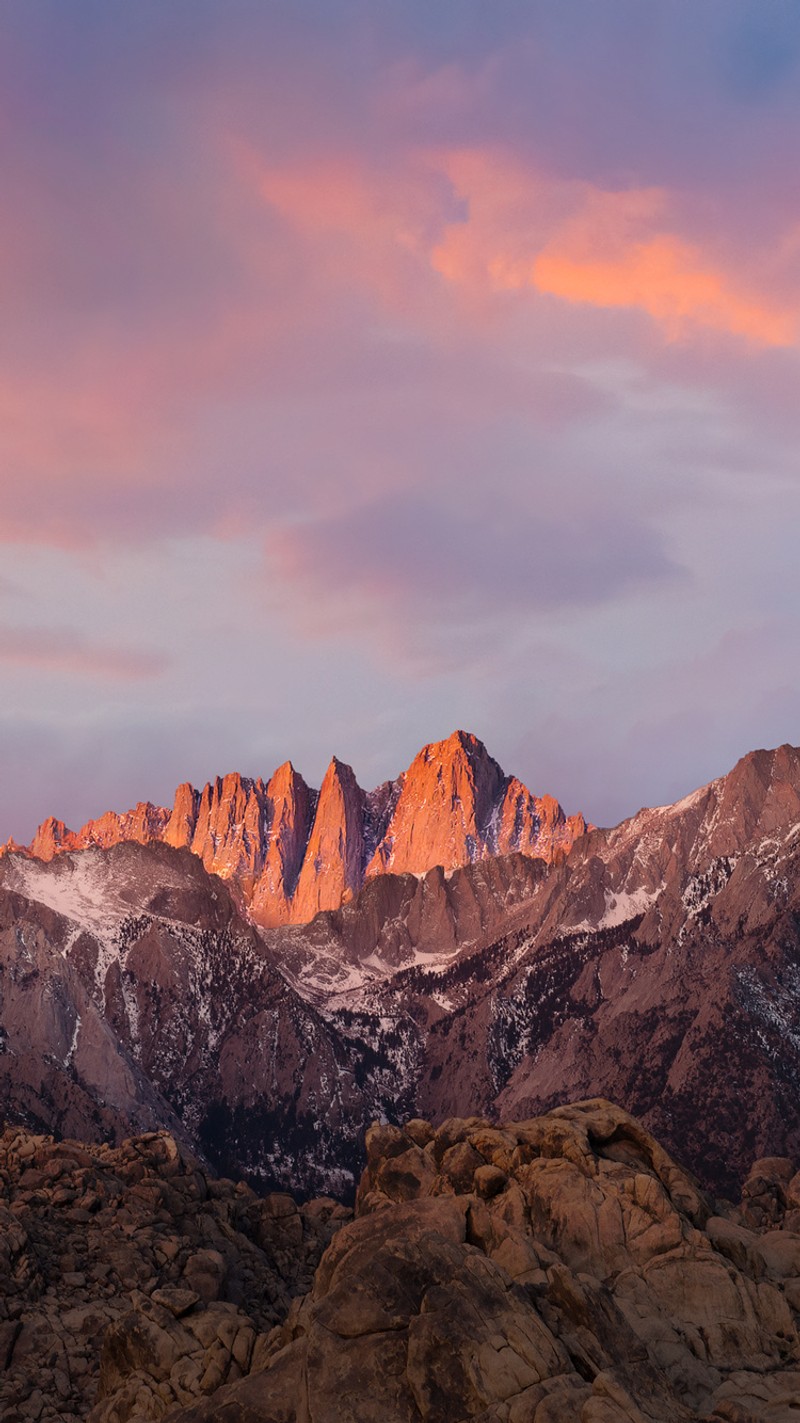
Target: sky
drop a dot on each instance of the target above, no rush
(369, 370)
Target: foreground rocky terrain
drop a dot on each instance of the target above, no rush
(132, 1279)
(558, 1269)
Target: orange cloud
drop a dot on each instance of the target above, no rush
(667, 279)
(340, 195)
(529, 231)
(488, 223)
(509, 213)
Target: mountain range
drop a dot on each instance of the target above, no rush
(656, 963)
(293, 851)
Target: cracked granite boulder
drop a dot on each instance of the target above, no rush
(579, 1275)
(557, 1269)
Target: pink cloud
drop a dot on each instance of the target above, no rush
(365, 226)
(669, 280)
(64, 650)
(609, 249)
(317, 328)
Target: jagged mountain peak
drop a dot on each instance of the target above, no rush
(295, 851)
(284, 773)
(458, 738)
(339, 770)
(457, 744)
(444, 808)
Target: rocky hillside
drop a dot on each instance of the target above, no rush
(558, 1270)
(132, 1278)
(133, 995)
(657, 964)
(293, 851)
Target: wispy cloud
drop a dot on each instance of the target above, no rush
(64, 650)
(434, 590)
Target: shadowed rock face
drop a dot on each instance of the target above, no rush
(294, 852)
(660, 966)
(132, 1269)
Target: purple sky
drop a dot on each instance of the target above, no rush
(368, 371)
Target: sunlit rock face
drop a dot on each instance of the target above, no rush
(290, 812)
(293, 852)
(332, 869)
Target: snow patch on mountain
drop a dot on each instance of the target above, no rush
(704, 887)
(76, 891)
(623, 905)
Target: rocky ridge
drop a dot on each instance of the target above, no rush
(134, 994)
(562, 1269)
(294, 852)
(658, 965)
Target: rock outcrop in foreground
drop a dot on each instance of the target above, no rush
(548, 1271)
(131, 1279)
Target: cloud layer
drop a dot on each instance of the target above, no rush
(431, 347)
